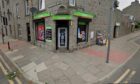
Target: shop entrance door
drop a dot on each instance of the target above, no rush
(62, 37)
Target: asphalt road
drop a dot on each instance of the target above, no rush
(3, 79)
(128, 74)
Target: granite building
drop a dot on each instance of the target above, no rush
(6, 17)
(123, 24)
(60, 24)
(70, 24)
(133, 9)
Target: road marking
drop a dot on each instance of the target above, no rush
(5, 73)
(130, 76)
(18, 81)
(122, 76)
(33, 47)
(10, 81)
(17, 57)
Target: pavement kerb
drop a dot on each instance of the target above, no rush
(120, 66)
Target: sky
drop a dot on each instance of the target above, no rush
(124, 3)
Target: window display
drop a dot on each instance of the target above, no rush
(48, 33)
(81, 34)
(40, 32)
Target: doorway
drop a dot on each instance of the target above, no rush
(28, 32)
(62, 37)
(115, 32)
(62, 34)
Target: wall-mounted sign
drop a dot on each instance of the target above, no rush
(92, 35)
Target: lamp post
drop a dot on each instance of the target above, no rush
(114, 5)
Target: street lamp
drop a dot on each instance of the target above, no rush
(113, 6)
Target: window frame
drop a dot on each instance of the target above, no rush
(72, 3)
(27, 7)
(42, 5)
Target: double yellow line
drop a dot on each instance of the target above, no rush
(5, 73)
(128, 74)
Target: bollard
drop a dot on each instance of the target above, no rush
(9, 48)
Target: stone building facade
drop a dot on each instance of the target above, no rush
(59, 24)
(66, 25)
(133, 9)
(6, 23)
(123, 24)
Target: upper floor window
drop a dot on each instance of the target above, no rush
(41, 4)
(27, 7)
(72, 2)
(7, 1)
(17, 10)
(8, 13)
(2, 3)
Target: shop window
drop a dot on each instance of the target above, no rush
(5, 21)
(41, 4)
(40, 32)
(72, 2)
(27, 7)
(48, 34)
(19, 30)
(82, 33)
(8, 13)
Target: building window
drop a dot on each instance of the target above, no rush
(27, 7)
(72, 2)
(8, 13)
(82, 31)
(2, 3)
(10, 29)
(81, 34)
(17, 10)
(41, 4)
(7, 2)
(40, 28)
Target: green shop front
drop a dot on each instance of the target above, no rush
(65, 32)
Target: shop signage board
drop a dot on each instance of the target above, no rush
(83, 14)
(41, 15)
(62, 17)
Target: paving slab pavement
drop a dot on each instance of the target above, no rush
(84, 66)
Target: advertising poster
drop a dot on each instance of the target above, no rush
(40, 34)
(92, 35)
(48, 34)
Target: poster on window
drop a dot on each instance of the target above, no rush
(40, 34)
(92, 35)
(48, 33)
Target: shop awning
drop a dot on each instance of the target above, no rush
(83, 14)
(41, 15)
(62, 17)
